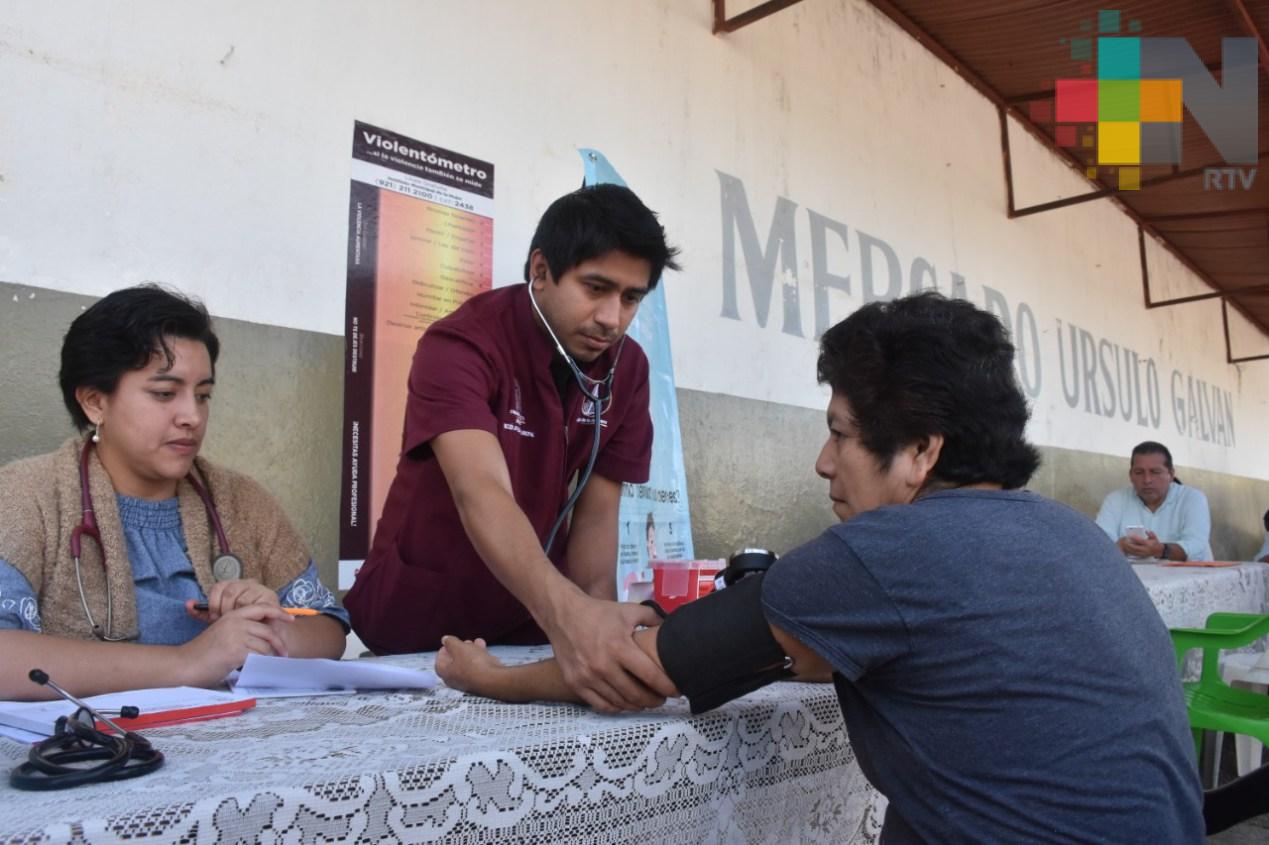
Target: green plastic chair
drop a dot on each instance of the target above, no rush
(1210, 703)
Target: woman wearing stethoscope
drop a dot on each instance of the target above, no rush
(107, 544)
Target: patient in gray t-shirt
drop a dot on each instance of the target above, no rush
(994, 655)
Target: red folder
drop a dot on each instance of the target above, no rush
(163, 718)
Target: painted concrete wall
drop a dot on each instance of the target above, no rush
(807, 164)
(752, 481)
(275, 413)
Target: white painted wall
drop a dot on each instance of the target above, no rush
(207, 146)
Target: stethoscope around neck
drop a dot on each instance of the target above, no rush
(598, 391)
(226, 567)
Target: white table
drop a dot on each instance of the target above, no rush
(773, 767)
(1186, 595)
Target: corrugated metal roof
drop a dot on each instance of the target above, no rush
(1013, 51)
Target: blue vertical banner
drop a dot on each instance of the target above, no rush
(654, 518)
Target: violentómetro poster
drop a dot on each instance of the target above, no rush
(420, 242)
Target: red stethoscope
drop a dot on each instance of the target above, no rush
(226, 567)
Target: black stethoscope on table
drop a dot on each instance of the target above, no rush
(62, 760)
(598, 391)
(226, 567)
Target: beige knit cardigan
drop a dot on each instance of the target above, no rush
(40, 505)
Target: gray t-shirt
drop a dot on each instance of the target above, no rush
(1003, 674)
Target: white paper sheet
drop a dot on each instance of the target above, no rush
(293, 673)
(39, 716)
(273, 692)
(21, 735)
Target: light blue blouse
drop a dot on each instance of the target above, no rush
(163, 576)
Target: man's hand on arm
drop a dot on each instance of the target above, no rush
(466, 665)
(594, 643)
(599, 657)
(592, 638)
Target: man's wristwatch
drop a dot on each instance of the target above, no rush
(1163, 555)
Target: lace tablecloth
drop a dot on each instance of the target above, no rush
(775, 766)
(1186, 595)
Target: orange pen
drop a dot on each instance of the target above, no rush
(290, 611)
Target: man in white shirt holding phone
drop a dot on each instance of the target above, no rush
(1157, 516)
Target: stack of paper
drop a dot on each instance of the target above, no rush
(272, 677)
(33, 720)
(260, 677)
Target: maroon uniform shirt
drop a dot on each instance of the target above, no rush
(487, 366)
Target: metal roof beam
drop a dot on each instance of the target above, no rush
(1206, 215)
(1225, 296)
(1092, 195)
(953, 61)
(1200, 297)
(1229, 349)
(724, 24)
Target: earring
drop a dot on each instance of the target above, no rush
(97, 432)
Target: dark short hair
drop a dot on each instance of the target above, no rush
(1150, 447)
(924, 365)
(122, 331)
(1267, 520)
(596, 220)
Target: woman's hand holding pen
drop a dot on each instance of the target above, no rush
(228, 595)
(231, 604)
(224, 646)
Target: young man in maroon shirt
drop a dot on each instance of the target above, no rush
(496, 427)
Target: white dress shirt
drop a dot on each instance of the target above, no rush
(1183, 518)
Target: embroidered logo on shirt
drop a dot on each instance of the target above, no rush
(517, 414)
(588, 415)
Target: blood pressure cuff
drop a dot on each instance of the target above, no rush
(720, 647)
